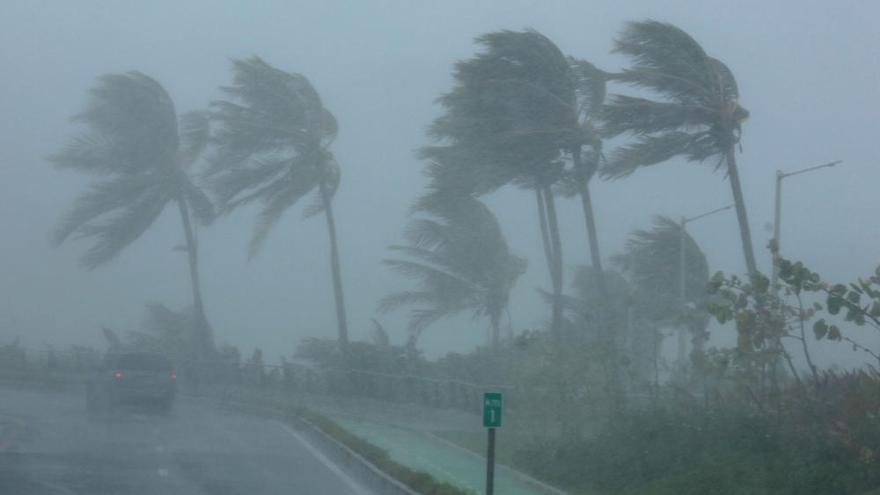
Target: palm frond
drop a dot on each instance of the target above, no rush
(665, 59)
(590, 86)
(647, 150)
(652, 259)
(135, 117)
(379, 334)
(195, 133)
(426, 233)
(511, 113)
(131, 135)
(119, 230)
(392, 302)
(102, 199)
(698, 116)
(92, 152)
(240, 185)
(432, 275)
(640, 116)
(270, 142)
(278, 108)
(458, 257)
(277, 198)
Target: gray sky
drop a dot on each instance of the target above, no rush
(808, 71)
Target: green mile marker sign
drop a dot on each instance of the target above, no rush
(492, 410)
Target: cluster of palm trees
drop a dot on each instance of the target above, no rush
(521, 113)
(269, 143)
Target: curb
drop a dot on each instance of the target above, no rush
(513, 473)
(364, 470)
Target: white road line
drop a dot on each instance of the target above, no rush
(325, 461)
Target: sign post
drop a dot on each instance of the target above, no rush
(492, 420)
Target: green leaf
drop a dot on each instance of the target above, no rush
(820, 328)
(834, 303)
(854, 297)
(834, 333)
(761, 283)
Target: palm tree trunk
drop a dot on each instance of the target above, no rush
(494, 338)
(335, 268)
(545, 236)
(741, 216)
(590, 220)
(556, 244)
(607, 332)
(205, 338)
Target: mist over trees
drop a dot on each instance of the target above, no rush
(592, 379)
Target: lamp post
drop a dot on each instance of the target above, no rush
(681, 270)
(777, 214)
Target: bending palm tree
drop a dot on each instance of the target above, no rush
(462, 263)
(272, 146)
(653, 262)
(700, 117)
(513, 114)
(132, 137)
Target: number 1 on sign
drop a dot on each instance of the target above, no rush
(492, 410)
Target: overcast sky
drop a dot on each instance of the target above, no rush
(808, 71)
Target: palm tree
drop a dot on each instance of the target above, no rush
(597, 303)
(514, 114)
(698, 116)
(603, 307)
(460, 259)
(272, 146)
(587, 152)
(653, 262)
(134, 140)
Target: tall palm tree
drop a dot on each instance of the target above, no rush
(132, 138)
(460, 259)
(272, 145)
(587, 154)
(512, 117)
(698, 115)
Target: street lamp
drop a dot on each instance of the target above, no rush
(681, 270)
(778, 213)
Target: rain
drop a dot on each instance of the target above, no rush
(507, 247)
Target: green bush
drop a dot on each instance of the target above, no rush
(661, 453)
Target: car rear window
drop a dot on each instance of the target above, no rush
(143, 362)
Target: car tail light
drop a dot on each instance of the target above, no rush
(117, 375)
(173, 375)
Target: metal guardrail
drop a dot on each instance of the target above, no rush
(237, 380)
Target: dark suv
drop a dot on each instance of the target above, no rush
(142, 378)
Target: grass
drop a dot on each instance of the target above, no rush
(418, 481)
(475, 441)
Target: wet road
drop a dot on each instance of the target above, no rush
(49, 445)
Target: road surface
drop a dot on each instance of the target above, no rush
(49, 445)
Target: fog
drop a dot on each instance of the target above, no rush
(809, 73)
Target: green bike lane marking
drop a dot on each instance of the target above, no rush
(419, 451)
